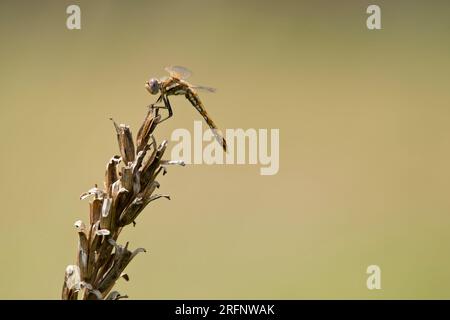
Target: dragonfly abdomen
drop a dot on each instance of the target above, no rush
(194, 99)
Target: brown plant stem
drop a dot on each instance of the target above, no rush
(129, 186)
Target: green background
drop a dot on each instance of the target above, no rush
(364, 145)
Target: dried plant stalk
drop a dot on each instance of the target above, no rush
(130, 183)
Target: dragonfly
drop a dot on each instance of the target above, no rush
(176, 84)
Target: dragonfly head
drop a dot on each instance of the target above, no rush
(152, 86)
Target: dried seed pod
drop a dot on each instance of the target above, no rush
(114, 295)
(121, 259)
(111, 175)
(102, 261)
(131, 212)
(98, 193)
(152, 164)
(72, 283)
(148, 191)
(106, 216)
(126, 145)
(147, 128)
(139, 159)
(127, 178)
(120, 203)
(89, 292)
(94, 247)
(95, 210)
(137, 164)
(83, 249)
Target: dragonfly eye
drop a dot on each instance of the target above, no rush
(153, 86)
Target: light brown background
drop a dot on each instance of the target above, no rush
(363, 116)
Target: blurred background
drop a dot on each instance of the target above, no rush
(364, 145)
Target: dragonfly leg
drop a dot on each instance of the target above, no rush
(167, 106)
(154, 106)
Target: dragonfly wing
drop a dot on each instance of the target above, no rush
(178, 72)
(203, 88)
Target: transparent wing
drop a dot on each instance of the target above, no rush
(178, 72)
(203, 88)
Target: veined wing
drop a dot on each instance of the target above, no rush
(178, 72)
(203, 88)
